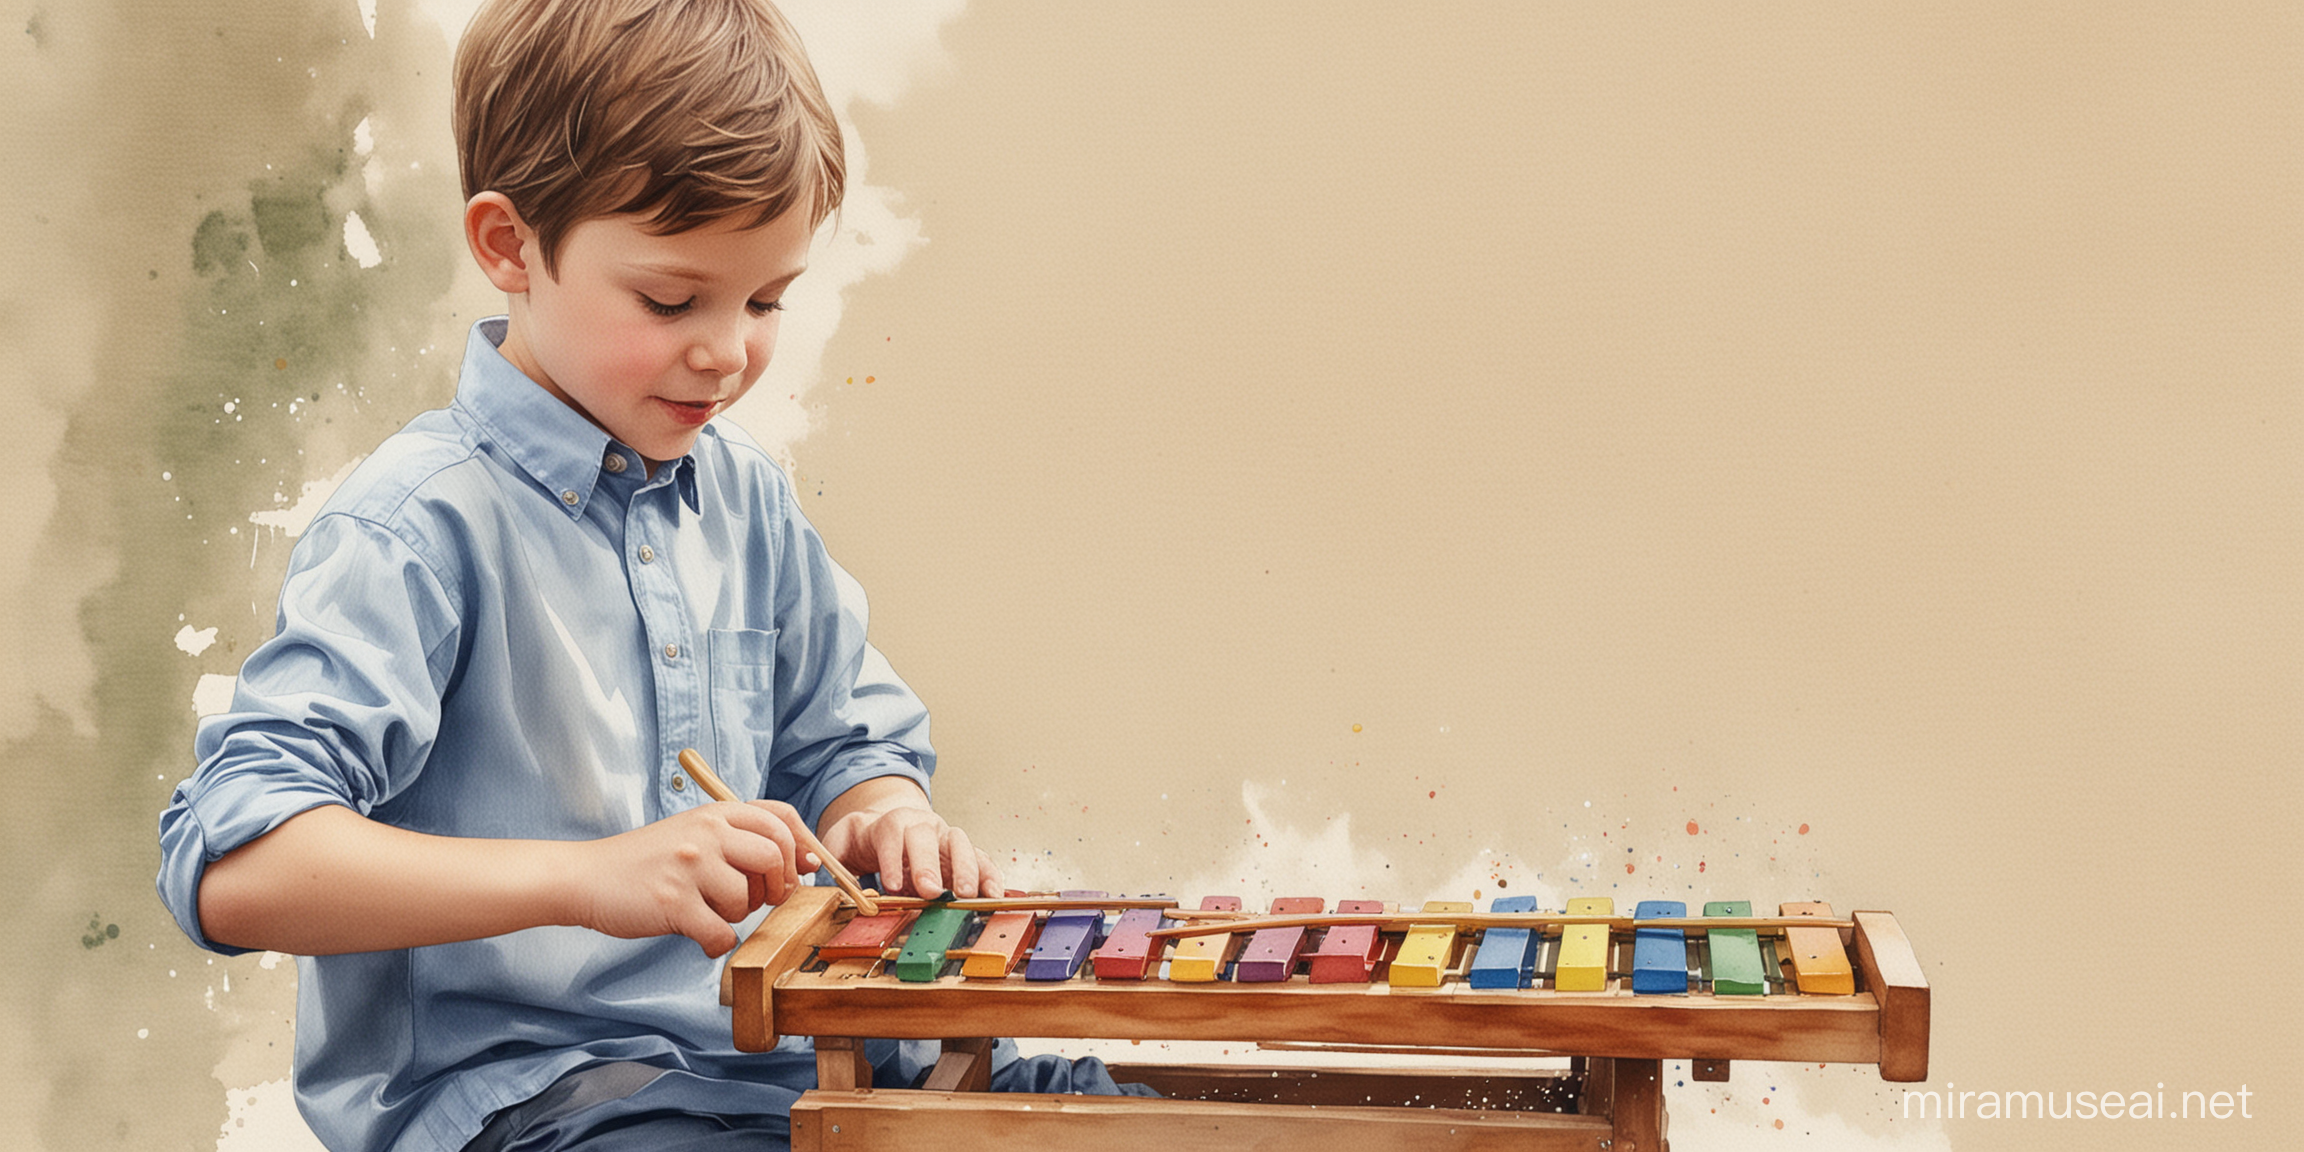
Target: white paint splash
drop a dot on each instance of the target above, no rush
(450, 15)
(872, 238)
(295, 518)
(359, 243)
(872, 53)
(213, 694)
(371, 168)
(264, 1119)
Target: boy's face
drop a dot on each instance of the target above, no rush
(650, 336)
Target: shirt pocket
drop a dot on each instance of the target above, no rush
(741, 663)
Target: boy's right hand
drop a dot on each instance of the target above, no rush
(694, 873)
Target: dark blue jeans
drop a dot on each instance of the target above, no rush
(629, 1107)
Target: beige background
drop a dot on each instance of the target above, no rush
(1829, 451)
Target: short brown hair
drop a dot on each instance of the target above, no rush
(689, 111)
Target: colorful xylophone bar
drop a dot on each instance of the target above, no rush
(1506, 955)
(1662, 953)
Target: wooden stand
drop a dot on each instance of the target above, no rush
(1611, 1098)
(1608, 1106)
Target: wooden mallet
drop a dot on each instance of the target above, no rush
(719, 790)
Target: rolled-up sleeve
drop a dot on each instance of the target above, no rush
(845, 716)
(340, 707)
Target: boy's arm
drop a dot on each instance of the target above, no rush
(337, 711)
(266, 844)
(329, 880)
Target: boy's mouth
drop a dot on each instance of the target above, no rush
(689, 411)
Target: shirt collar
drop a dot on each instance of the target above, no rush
(549, 440)
(684, 479)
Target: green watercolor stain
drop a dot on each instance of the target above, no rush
(291, 220)
(219, 244)
(98, 932)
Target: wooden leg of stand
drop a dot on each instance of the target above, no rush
(1594, 1097)
(965, 1066)
(1637, 1107)
(841, 1064)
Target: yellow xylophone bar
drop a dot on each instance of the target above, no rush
(1582, 965)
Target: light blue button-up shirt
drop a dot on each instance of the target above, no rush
(501, 626)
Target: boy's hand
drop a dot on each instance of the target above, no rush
(693, 873)
(912, 848)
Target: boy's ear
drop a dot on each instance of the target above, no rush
(500, 240)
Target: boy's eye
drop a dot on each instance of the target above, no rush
(758, 307)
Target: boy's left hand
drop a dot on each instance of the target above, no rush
(912, 849)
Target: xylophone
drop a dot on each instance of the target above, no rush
(1619, 994)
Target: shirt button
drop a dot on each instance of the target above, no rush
(615, 462)
(647, 554)
(679, 783)
(671, 651)
(569, 497)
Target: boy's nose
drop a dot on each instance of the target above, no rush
(720, 352)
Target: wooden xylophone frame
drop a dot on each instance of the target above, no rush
(1613, 1088)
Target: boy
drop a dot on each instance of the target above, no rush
(450, 781)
